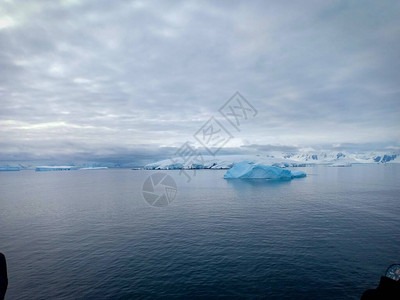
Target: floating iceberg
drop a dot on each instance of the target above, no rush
(249, 170)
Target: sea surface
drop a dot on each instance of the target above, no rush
(90, 234)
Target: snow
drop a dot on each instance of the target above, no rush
(259, 171)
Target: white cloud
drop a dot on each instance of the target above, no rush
(6, 21)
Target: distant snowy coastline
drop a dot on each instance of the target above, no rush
(65, 168)
(278, 159)
(283, 160)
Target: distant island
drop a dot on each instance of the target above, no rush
(65, 168)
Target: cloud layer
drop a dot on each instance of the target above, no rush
(100, 76)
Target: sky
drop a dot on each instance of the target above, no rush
(135, 80)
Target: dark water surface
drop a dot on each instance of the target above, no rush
(90, 234)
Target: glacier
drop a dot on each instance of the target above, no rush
(259, 171)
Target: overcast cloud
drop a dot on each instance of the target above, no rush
(109, 77)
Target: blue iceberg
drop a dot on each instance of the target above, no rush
(259, 171)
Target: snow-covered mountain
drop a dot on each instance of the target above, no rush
(276, 159)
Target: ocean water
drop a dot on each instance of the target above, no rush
(91, 235)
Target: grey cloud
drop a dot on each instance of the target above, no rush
(123, 73)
